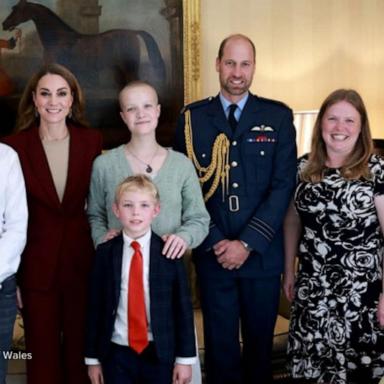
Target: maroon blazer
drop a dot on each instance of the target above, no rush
(59, 248)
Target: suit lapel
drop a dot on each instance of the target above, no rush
(117, 262)
(217, 115)
(40, 167)
(154, 263)
(75, 161)
(251, 109)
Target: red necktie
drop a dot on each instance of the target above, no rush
(137, 317)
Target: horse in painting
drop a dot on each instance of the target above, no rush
(118, 49)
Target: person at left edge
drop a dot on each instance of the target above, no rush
(13, 234)
(56, 151)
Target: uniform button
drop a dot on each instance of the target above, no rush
(262, 153)
(234, 164)
(235, 185)
(203, 155)
(234, 143)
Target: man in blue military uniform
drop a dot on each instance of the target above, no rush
(244, 150)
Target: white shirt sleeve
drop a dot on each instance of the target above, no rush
(186, 360)
(13, 212)
(91, 361)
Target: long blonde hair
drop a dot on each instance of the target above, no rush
(26, 116)
(356, 163)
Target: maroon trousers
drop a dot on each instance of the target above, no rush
(54, 324)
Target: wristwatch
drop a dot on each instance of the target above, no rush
(246, 246)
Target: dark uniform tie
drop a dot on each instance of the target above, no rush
(231, 117)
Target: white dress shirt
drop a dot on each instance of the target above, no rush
(120, 331)
(13, 212)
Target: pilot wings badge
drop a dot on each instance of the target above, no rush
(262, 128)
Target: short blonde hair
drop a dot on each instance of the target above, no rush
(137, 183)
(135, 84)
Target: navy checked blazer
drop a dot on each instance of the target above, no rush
(170, 303)
(262, 159)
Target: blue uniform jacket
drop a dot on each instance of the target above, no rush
(262, 159)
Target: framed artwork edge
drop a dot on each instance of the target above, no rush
(191, 50)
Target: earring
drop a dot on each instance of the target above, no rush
(36, 113)
(70, 114)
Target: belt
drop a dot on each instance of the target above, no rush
(233, 203)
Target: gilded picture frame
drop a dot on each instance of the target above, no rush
(191, 38)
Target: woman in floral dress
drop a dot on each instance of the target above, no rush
(335, 226)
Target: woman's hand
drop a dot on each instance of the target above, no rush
(174, 246)
(380, 310)
(111, 234)
(289, 285)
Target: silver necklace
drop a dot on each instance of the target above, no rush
(148, 168)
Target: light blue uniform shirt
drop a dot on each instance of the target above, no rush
(240, 105)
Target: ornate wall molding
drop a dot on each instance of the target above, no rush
(191, 48)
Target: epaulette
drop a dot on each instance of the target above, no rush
(274, 102)
(196, 104)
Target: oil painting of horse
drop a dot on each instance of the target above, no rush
(84, 53)
(103, 62)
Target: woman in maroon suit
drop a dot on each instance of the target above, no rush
(56, 151)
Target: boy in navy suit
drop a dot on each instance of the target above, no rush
(140, 318)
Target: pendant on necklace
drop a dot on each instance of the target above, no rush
(148, 169)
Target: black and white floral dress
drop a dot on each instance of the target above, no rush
(334, 335)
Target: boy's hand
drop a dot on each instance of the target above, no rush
(380, 311)
(95, 373)
(174, 246)
(111, 234)
(182, 374)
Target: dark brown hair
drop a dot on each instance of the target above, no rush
(26, 110)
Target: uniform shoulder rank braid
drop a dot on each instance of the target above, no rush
(219, 166)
